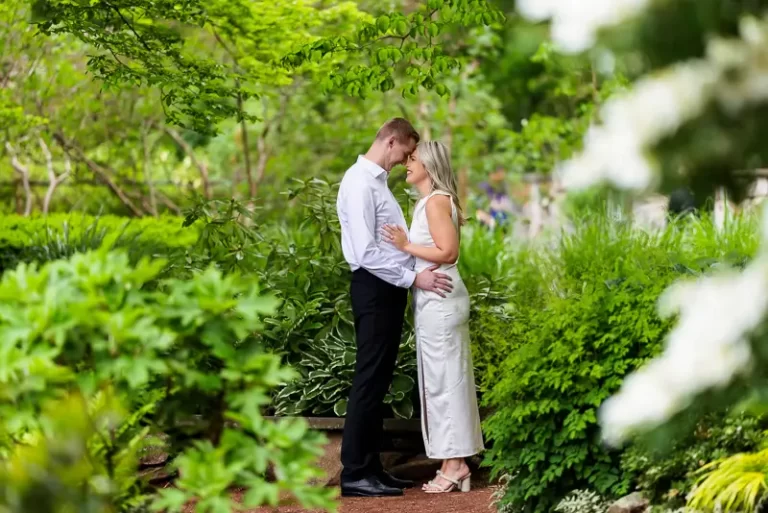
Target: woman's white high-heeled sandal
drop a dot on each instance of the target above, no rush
(462, 484)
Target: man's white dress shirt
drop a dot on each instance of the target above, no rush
(364, 205)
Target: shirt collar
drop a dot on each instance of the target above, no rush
(374, 169)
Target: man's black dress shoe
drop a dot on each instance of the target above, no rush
(390, 480)
(368, 487)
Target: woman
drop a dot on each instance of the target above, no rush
(449, 415)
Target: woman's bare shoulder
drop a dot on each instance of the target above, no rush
(439, 204)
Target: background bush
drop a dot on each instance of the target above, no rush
(665, 477)
(42, 239)
(298, 259)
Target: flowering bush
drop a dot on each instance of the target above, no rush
(697, 119)
(592, 320)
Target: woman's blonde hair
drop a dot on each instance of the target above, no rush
(436, 158)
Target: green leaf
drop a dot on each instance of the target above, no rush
(402, 384)
(169, 499)
(340, 408)
(382, 23)
(401, 28)
(262, 493)
(403, 409)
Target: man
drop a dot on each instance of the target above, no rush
(381, 277)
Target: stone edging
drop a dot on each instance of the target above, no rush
(337, 424)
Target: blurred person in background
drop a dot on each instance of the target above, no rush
(499, 203)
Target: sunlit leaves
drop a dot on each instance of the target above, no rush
(397, 43)
(205, 58)
(735, 483)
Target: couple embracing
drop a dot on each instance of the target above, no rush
(387, 259)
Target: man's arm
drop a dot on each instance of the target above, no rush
(360, 209)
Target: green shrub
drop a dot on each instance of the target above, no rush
(487, 264)
(93, 357)
(667, 476)
(732, 484)
(42, 239)
(586, 316)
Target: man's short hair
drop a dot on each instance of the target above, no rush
(401, 128)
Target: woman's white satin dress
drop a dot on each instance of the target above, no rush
(450, 420)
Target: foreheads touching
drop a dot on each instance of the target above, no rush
(397, 139)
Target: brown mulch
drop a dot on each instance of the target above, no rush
(414, 501)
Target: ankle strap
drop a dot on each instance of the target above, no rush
(440, 473)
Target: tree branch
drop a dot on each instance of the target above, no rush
(265, 151)
(53, 180)
(24, 172)
(184, 145)
(128, 24)
(100, 172)
(170, 204)
(147, 168)
(252, 184)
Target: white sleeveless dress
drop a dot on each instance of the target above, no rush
(450, 420)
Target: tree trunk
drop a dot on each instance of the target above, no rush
(53, 180)
(721, 207)
(265, 151)
(201, 166)
(23, 172)
(423, 120)
(246, 148)
(148, 171)
(536, 211)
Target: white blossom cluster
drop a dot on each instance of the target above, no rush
(575, 23)
(709, 346)
(616, 150)
(734, 75)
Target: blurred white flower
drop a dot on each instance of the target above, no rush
(642, 401)
(743, 66)
(575, 24)
(616, 151)
(752, 31)
(536, 10)
(606, 62)
(733, 74)
(608, 156)
(706, 349)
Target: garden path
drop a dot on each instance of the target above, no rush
(414, 501)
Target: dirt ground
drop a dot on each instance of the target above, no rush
(414, 501)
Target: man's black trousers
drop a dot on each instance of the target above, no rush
(379, 309)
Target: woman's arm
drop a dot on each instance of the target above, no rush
(444, 233)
